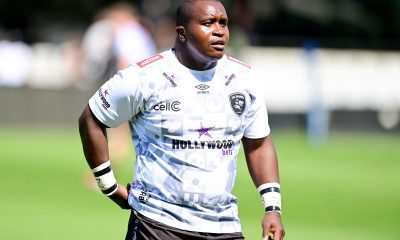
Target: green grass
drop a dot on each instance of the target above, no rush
(348, 188)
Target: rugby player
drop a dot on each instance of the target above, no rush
(189, 109)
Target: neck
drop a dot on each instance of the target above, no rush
(191, 61)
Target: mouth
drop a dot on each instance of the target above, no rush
(218, 45)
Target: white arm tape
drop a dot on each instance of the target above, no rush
(101, 166)
(271, 197)
(106, 181)
(105, 178)
(268, 185)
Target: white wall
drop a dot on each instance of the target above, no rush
(338, 79)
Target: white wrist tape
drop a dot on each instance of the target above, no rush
(105, 178)
(271, 197)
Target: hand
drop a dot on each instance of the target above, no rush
(272, 225)
(120, 197)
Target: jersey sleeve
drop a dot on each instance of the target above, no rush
(257, 116)
(119, 99)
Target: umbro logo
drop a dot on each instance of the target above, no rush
(203, 88)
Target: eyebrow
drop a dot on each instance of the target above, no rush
(212, 16)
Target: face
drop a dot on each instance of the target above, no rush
(207, 31)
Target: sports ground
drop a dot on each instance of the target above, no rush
(347, 188)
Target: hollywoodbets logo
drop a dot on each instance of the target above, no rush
(103, 99)
(233, 76)
(181, 144)
(170, 79)
(225, 145)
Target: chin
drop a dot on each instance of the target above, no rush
(217, 55)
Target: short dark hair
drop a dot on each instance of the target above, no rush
(184, 11)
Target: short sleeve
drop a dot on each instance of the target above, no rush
(257, 116)
(119, 99)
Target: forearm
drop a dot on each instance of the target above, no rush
(95, 147)
(262, 163)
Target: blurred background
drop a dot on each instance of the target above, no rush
(330, 70)
(339, 58)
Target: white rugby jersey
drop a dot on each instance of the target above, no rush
(186, 126)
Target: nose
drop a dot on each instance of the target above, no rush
(219, 30)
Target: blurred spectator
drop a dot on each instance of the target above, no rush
(114, 40)
(241, 26)
(161, 16)
(15, 59)
(97, 49)
(164, 32)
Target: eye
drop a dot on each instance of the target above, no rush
(223, 23)
(207, 24)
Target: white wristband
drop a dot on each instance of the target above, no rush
(271, 197)
(105, 178)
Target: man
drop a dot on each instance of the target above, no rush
(189, 108)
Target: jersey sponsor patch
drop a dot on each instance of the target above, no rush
(233, 76)
(149, 60)
(102, 95)
(237, 61)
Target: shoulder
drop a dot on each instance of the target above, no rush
(156, 60)
(240, 69)
(246, 76)
(236, 63)
(149, 60)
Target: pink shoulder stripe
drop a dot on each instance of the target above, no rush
(237, 61)
(149, 60)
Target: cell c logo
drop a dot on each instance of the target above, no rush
(175, 106)
(168, 106)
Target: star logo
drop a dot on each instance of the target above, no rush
(106, 93)
(204, 131)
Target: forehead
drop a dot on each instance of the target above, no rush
(202, 9)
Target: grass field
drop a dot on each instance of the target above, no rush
(348, 188)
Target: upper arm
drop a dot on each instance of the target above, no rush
(87, 120)
(93, 137)
(262, 160)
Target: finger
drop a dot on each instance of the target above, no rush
(278, 236)
(267, 237)
(266, 233)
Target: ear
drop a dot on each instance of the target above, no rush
(180, 30)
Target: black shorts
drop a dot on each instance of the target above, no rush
(144, 228)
